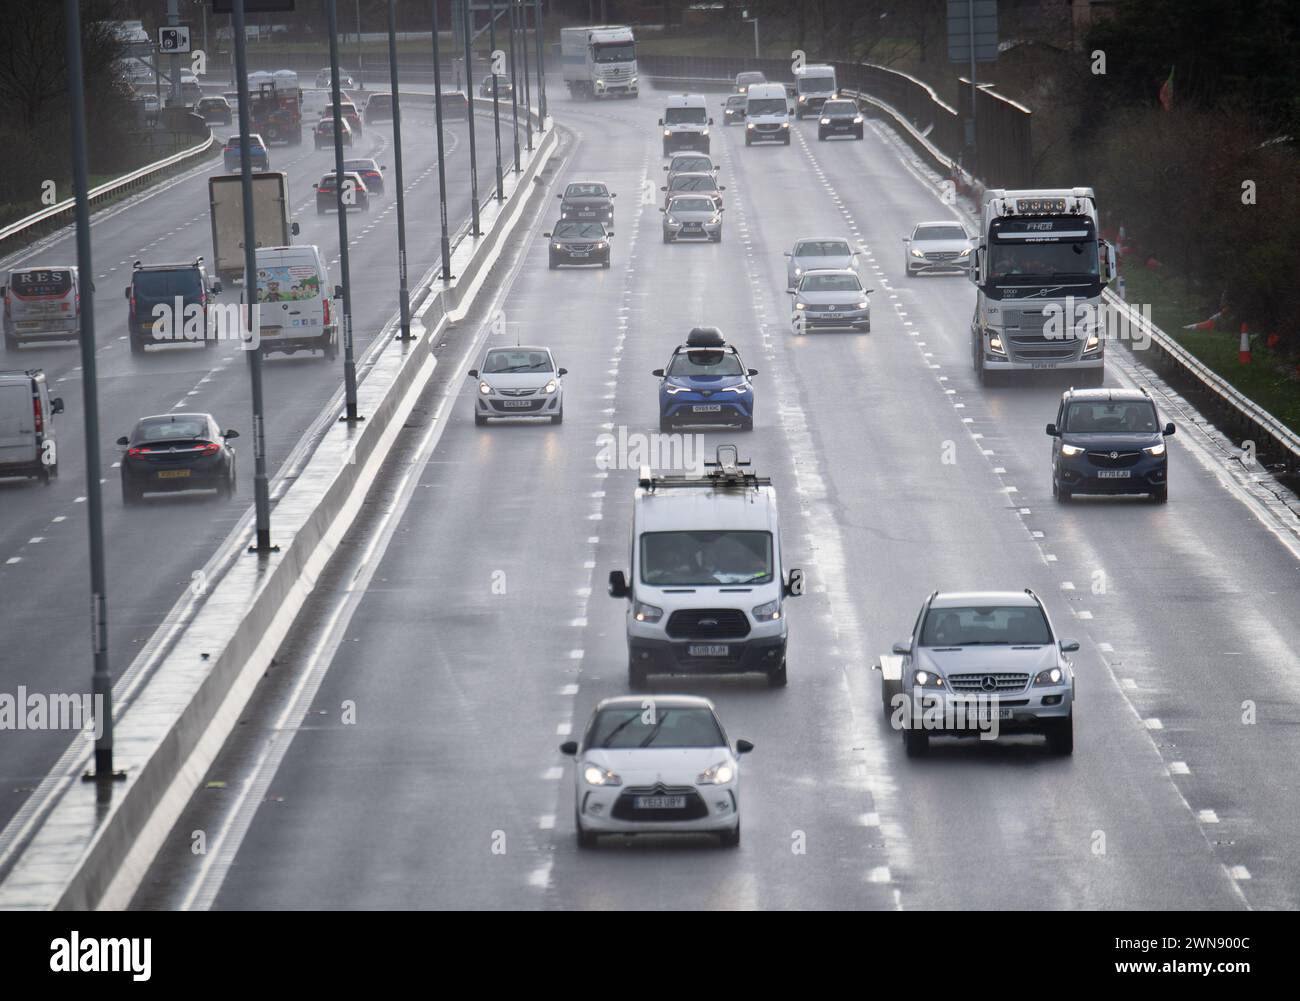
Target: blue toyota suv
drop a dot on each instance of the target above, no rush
(1109, 441)
(705, 382)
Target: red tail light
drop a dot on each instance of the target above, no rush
(36, 413)
(133, 302)
(327, 311)
(135, 453)
(208, 448)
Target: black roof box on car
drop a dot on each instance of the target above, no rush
(705, 337)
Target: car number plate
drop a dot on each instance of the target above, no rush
(707, 408)
(985, 713)
(516, 403)
(1043, 364)
(708, 650)
(30, 324)
(1113, 474)
(271, 331)
(172, 474)
(659, 802)
(579, 253)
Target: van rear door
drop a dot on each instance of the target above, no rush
(17, 423)
(290, 286)
(44, 300)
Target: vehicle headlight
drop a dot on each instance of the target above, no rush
(964, 253)
(918, 253)
(1052, 676)
(800, 305)
(927, 679)
(674, 390)
(864, 304)
(785, 125)
(802, 99)
(671, 221)
(551, 387)
(749, 125)
(557, 246)
(1094, 342)
(646, 613)
(484, 388)
(715, 220)
(1071, 450)
(667, 133)
(597, 776)
(857, 119)
(719, 774)
(739, 388)
(769, 611)
(601, 245)
(1155, 449)
(704, 132)
(825, 121)
(995, 345)
(798, 271)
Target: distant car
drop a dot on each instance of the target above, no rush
(345, 79)
(504, 88)
(978, 659)
(587, 201)
(831, 299)
(692, 217)
(327, 195)
(323, 134)
(705, 382)
(817, 252)
(733, 109)
(168, 285)
(519, 382)
(177, 452)
(840, 117)
(662, 767)
(379, 108)
(937, 246)
(694, 184)
(579, 243)
(690, 163)
(1109, 441)
(348, 112)
(743, 80)
(259, 157)
(371, 172)
(215, 109)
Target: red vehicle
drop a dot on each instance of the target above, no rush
(276, 113)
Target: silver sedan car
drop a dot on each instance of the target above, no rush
(937, 246)
(692, 217)
(520, 381)
(833, 299)
(817, 253)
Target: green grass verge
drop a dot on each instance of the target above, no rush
(1265, 380)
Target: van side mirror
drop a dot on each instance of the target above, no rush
(663, 188)
(661, 121)
(902, 648)
(618, 585)
(1069, 646)
(294, 229)
(123, 441)
(1169, 429)
(710, 121)
(126, 292)
(560, 197)
(743, 747)
(338, 291)
(1051, 430)
(56, 405)
(217, 287)
(562, 371)
(472, 373)
(569, 747)
(613, 194)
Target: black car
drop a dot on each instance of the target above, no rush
(504, 88)
(574, 242)
(587, 201)
(1109, 441)
(156, 285)
(733, 109)
(215, 109)
(175, 452)
(327, 196)
(371, 171)
(840, 117)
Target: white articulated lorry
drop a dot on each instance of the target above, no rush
(1040, 268)
(271, 222)
(599, 61)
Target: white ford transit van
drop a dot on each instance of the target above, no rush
(27, 445)
(41, 304)
(296, 310)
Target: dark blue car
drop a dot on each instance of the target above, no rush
(258, 155)
(1109, 441)
(705, 382)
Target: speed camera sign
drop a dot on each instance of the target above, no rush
(174, 39)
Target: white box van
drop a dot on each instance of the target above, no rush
(767, 115)
(685, 124)
(296, 301)
(813, 86)
(708, 587)
(41, 304)
(27, 446)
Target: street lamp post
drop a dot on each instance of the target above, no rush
(468, 21)
(349, 362)
(442, 160)
(496, 96)
(403, 292)
(514, 80)
(528, 97)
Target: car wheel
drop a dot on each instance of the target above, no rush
(909, 272)
(605, 264)
(747, 424)
(130, 495)
(558, 418)
(821, 136)
(748, 141)
(1095, 377)
(730, 838)
(787, 139)
(667, 238)
(888, 690)
(320, 209)
(11, 342)
(637, 674)
(665, 425)
(1060, 735)
(1161, 495)
(777, 678)
(916, 742)
(586, 838)
(137, 345)
(331, 349)
(1062, 494)
(551, 263)
(480, 420)
(227, 490)
(859, 134)
(718, 237)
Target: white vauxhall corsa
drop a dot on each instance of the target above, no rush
(656, 765)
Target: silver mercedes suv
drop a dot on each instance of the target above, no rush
(980, 663)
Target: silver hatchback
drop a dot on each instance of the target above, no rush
(692, 217)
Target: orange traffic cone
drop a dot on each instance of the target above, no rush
(1243, 352)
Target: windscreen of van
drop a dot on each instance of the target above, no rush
(694, 559)
(685, 116)
(614, 52)
(816, 84)
(42, 284)
(766, 106)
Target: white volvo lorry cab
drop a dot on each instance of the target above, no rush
(708, 583)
